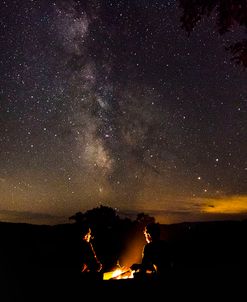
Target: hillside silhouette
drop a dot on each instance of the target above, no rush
(36, 257)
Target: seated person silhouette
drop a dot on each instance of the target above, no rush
(89, 262)
(155, 254)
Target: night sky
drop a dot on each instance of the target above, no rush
(113, 103)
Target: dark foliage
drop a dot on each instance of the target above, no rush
(230, 14)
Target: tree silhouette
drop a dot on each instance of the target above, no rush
(105, 216)
(102, 216)
(230, 13)
(78, 217)
(143, 219)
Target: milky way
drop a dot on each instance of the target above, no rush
(111, 102)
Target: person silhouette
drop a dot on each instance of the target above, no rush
(89, 262)
(155, 254)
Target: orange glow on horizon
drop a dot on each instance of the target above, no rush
(227, 205)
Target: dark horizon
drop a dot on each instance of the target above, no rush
(49, 220)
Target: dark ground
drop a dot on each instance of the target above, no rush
(181, 285)
(210, 263)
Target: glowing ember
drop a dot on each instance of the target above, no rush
(118, 274)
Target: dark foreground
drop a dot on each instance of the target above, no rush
(196, 284)
(209, 263)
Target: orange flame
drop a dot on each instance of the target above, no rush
(119, 273)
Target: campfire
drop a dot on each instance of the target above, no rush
(123, 271)
(119, 273)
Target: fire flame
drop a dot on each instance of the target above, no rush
(119, 273)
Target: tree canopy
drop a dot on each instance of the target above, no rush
(105, 216)
(229, 14)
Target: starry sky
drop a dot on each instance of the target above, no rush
(113, 103)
